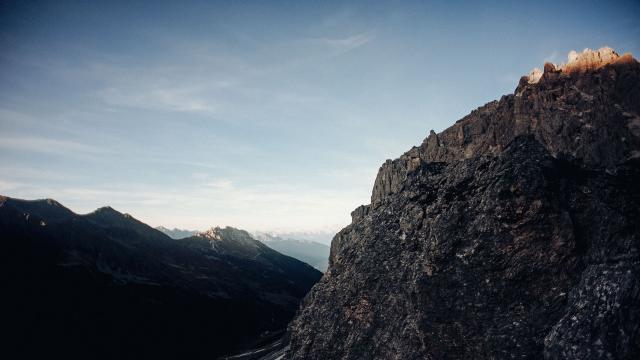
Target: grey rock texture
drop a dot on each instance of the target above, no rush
(512, 234)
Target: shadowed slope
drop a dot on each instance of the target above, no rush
(104, 285)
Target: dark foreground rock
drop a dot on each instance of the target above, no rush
(512, 234)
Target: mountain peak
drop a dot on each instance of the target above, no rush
(232, 240)
(590, 59)
(106, 210)
(107, 216)
(218, 233)
(211, 234)
(52, 202)
(47, 209)
(579, 62)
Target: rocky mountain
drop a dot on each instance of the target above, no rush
(105, 285)
(512, 234)
(176, 233)
(311, 252)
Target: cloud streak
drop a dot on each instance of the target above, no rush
(350, 43)
(49, 146)
(158, 99)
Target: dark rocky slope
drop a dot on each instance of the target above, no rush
(512, 234)
(105, 285)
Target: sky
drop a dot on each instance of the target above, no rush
(263, 115)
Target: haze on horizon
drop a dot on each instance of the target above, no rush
(258, 115)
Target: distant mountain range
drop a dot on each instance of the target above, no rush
(311, 252)
(320, 236)
(176, 233)
(105, 285)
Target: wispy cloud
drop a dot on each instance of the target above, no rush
(160, 85)
(220, 184)
(158, 98)
(554, 57)
(6, 186)
(10, 118)
(349, 43)
(48, 146)
(21, 174)
(157, 86)
(337, 19)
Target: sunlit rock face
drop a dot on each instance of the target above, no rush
(511, 234)
(590, 59)
(582, 61)
(534, 76)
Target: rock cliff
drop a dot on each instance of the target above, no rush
(512, 234)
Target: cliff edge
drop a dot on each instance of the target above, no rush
(512, 234)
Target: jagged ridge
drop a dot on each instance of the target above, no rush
(591, 116)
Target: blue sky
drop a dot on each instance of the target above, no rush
(262, 115)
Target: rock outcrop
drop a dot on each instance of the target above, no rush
(512, 234)
(591, 116)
